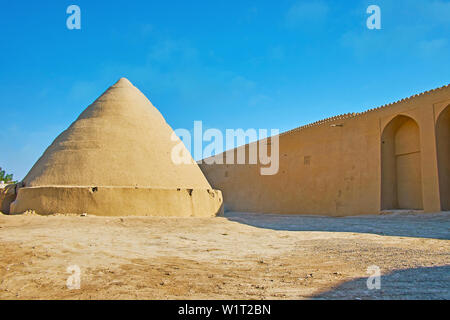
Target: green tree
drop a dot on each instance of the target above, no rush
(7, 178)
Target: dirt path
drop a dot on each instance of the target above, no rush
(223, 258)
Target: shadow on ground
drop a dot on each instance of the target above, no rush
(412, 284)
(420, 225)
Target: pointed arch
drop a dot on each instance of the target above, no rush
(443, 154)
(401, 169)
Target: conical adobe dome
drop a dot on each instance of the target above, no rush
(119, 140)
(120, 146)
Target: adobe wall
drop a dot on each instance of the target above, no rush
(338, 170)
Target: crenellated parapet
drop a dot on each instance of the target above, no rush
(347, 116)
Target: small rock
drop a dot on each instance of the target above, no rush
(83, 215)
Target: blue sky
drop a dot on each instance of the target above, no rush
(231, 64)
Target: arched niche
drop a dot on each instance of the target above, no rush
(401, 169)
(443, 154)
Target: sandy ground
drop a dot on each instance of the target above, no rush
(238, 256)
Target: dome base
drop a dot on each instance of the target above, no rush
(119, 201)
